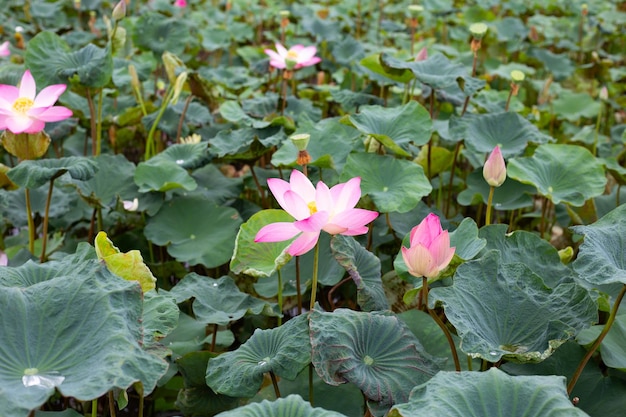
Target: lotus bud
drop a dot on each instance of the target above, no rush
(494, 170)
(134, 78)
(178, 87)
(422, 55)
(171, 63)
(604, 94)
(119, 11)
(131, 205)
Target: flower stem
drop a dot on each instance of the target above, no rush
(280, 297)
(214, 337)
(92, 113)
(457, 150)
(111, 404)
(182, 118)
(94, 407)
(99, 124)
(46, 218)
(316, 256)
(275, 384)
(596, 344)
(30, 221)
(489, 203)
(150, 147)
(298, 292)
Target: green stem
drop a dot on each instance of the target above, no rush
(280, 297)
(150, 151)
(141, 403)
(258, 186)
(597, 132)
(457, 150)
(94, 407)
(316, 256)
(214, 337)
(30, 221)
(46, 218)
(111, 404)
(92, 118)
(508, 100)
(99, 124)
(596, 344)
(489, 203)
(298, 292)
(275, 384)
(469, 363)
(182, 117)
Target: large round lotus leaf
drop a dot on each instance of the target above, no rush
(215, 185)
(284, 350)
(79, 333)
(218, 301)
(521, 246)
(364, 269)
(159, 174)
(562, 173)
(186, 155)
(329, 146)
(511, 195)
(52, 61)
(508, 130)
(574, 106)
(158, 33)
(113, 180)
(240, 144)
(505, 310)
(160, 317)
(195, 230)
(437, 71)
(492, 393)
(260, 259)
(393, 184)
(395, 127)
(290, 406)
(233, 112)
(601, 257)
(33, 174)
(600, 390)
(374, 351)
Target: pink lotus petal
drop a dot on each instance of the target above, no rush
(296, 206)
(276, 232)
(282, 51)
(8, 95)
(49, 95)
(426, 231)
(301, 185)
(441, 250)
(304, 243)
(273, 55)
(27, 87)
(54, 114)
(4, 49)
(306, 53)
(314, 223)
(278, 188)
(19, 124)
(419, 261)
(323, 198)
(348, 195)
(35, 127)
(354, 218)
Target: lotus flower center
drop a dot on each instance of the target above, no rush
(292, 55)
(312, 207)
(22, 105)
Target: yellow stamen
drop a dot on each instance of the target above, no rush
(312, 207)
(292, 55)
(23, 105)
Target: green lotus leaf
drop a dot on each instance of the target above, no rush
(160, 317)
(233, 112)
(34, 174)
(374, 351)
(440, 159)
(521, 246)
(395, 127)
(190, 335)
(490, 393)
(112, 181)
(52, 61)
(284, 350)
(290, 406)
(375, 65)
(351, 100)
(601, 257)
(612, 347)
(437, 71)
(78, 333)
(330, 144)
(558, 64)
(217, 187)
(260, 259)
(574, 106)
(160, 174)
(158, 33)
(195, 230)
(393, 184)
(600, 390)
(196, 398)
(511, 195)
(244, 144)
(508, 130)
(185, 155)
(219, 301)
(504, 310)
(615, 169)
(364, 269)
(562, 173)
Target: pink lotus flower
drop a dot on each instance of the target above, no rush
(24, 111)
(297, 56)
(494, 170)
(315, 209)
(430, 251)
(4, 49)
(180, 3)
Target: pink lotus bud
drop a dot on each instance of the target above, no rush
(430, 251)
(422, 55)
(4, 49)
(494, 170)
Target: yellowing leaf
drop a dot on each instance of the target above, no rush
(127, 265)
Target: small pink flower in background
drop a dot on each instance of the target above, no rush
(180, 3)
(297, 56)
(494, 170)
(430, 251)
(315, 209)
(24, 111)
(4, 49)
(422, 55)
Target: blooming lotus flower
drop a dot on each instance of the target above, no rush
(315, 209)
(430, 251)
(24, 111)
(180, 3)
(297, 56)
(4, 49)
(494, 170)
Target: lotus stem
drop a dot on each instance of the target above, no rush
(150, 151)
(597, 131)
(30, 221)
(112, 412)
(182, 118)
(93, 118)
(489, 204)
(596, 344)
(258, 186)
(311, 384)
(46, 218)
(457, 149)
(214, 337)
(280, 297)
(316, 255)
(469, 363)
(99, 124)
(94, 407)
(275, 384)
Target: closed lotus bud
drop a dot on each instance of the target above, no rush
(604, 94)
(171, 63)
(178, 87)
(494, 170)
(134, 78)
(119, 11)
